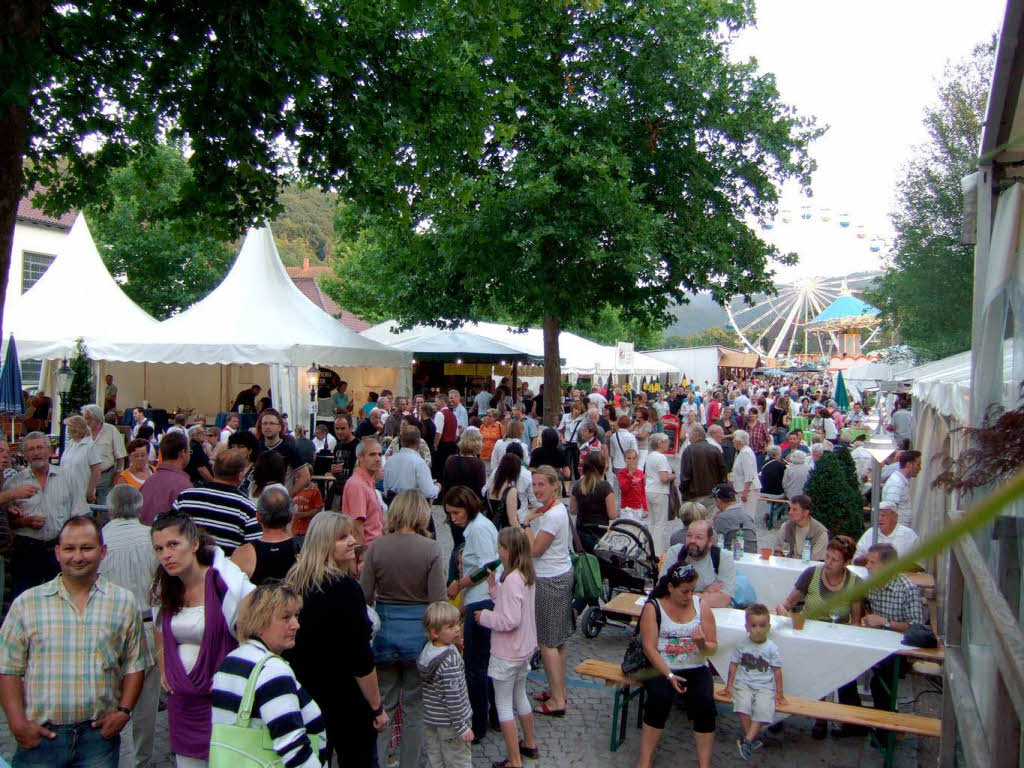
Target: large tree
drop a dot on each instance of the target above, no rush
(925, 293)
(338, 93)
(164, 262)
(625, 159)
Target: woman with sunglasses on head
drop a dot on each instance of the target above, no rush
(678, 633)
(197, 591)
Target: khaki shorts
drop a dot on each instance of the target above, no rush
(758, 703)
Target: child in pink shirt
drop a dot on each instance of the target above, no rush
(513, 628)
(633, 485)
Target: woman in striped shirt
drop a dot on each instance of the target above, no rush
(267, 623)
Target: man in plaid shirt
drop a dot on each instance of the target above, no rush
(72, 659)
(895, 607)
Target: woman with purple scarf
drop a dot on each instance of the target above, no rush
(197, 591)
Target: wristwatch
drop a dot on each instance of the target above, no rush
(125, 710)
(378, 711)
(670, 676)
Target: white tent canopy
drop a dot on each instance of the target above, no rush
(75, 298)
(945, 385)
(256, 315)
(581, 355)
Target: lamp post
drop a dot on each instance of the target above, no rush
(64, 376)
(313, 378)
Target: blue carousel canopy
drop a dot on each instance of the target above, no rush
(845, 307)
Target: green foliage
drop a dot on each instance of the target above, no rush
(611, 327)
(623, 153)
(705, 338)
(165, 262)
(305, 227)
(838, 505)
(925, 295)
(83, 386)
(356, 96)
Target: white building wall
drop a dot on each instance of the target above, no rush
(698, 364)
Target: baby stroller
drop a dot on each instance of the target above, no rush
(625, 553)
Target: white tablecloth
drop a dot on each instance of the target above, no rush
(773, 579)
(816, 660)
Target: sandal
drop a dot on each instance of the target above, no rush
(542, 696)
(544, 709)
(531, 752)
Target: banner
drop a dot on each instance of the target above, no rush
(624, 356)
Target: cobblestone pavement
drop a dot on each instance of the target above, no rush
(580, 739)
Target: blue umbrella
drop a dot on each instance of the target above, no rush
(11, 399)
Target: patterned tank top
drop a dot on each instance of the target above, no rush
(675, 642)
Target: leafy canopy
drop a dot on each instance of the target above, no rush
(623, 156)
(925, 294)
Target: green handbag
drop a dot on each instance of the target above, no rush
(586, 570)
(240, 746)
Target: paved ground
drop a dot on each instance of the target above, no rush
(580, 740)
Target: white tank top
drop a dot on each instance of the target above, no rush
(188, 625)
(675, 644)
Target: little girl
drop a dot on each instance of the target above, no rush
(633, 485)
(513, 628)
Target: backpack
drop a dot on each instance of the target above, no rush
(744, 594)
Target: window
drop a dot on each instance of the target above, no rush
(32, 268)
(30, 370)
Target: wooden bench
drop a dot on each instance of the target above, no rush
(867, 717)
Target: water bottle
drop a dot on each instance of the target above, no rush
(807, 551)
(737, 544)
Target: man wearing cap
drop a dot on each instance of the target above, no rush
(730, 515)
(890, 531)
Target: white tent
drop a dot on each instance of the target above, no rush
(256, 317)
(581, 355)
(75, 298)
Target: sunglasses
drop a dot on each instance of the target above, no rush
(681, 572)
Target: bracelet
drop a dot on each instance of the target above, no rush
(125, 710)
(378, 711)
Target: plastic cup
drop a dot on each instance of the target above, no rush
(798, 621)
(766, 552)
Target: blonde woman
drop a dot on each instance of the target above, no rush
(81, 459)
(336, 667)
(547, 527)
(267, 626)
(402, 575)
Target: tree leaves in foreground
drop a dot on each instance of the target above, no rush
(624, 154)
(925, 294)
(259, 92)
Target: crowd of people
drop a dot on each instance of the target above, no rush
(216, 565)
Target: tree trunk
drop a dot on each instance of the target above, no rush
(23, 24)
(552, 371)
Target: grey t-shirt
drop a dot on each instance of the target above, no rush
(706, 569)
(756, 663)
(728, 521)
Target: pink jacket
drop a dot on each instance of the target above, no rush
(513, 623)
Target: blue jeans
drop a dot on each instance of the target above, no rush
(476, 656)
(401, 636)
(76, 746)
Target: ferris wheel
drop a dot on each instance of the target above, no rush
(772, 325)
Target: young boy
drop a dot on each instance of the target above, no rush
(755, 679)
(446, 711)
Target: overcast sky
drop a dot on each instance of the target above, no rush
(867, 70)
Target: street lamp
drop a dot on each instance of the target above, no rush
(64, 377)
(312, 378)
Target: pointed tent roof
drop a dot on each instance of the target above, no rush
(255, 316)
(75, 298)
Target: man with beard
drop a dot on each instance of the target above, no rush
(344, 457)
(716, 570)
